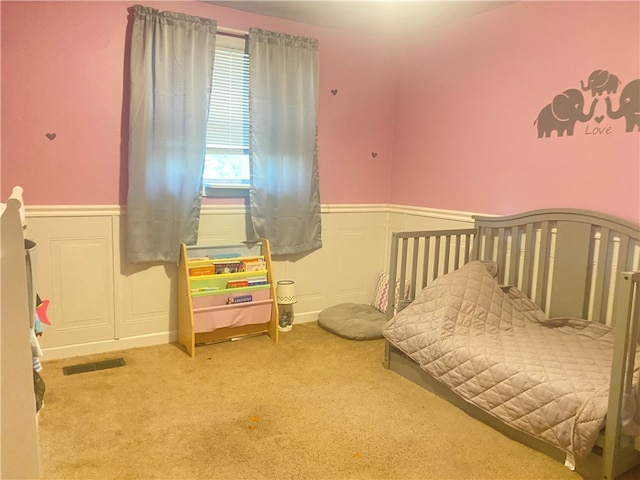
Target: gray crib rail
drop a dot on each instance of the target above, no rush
(418, 258)
(572, 263)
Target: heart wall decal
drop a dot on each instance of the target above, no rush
(599, 118)
(51, 136)
(334, 92)
(374, 154)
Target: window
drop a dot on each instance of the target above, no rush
(227, 156)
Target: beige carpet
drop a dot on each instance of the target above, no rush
(312, 406)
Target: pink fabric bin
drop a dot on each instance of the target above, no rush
(212, 311)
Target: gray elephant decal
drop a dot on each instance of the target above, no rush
(601, 81)
(563, 112)
(629, 106)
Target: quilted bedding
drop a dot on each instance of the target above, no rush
(496, 349)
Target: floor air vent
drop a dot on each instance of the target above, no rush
(92, 367)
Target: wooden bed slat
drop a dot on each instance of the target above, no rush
(623, 255)
(403, 266)
(527, 267)
(472, 247)
(488, 245)
(501, 252)
(414, 268)
(447, 252)
(598, 315)
(425, 262)
(514, 260)
(542, 280)
(436, 259)
(457, 253)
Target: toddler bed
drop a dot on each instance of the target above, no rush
(529, 323)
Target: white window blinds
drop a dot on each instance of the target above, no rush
(228, 126)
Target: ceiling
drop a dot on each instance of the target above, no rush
(393, 18)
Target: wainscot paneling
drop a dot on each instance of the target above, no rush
(144, 303)
(74, 266)
(344, 269)
(101, 303)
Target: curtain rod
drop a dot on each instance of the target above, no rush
(232, 32)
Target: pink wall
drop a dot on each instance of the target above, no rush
(449, 117)
(464, 136)
(62, 72)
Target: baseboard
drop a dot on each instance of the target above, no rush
(56, 353)
(306, 317)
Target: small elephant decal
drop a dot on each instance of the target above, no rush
(629, 105)
(601, 81)
(563, 112)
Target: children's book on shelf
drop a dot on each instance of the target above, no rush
(240, 299)
(227, 267)
(223, 256)
(202, 270)
(255, 265)
(253, 281)
(204, 290)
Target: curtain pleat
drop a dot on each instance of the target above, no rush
(285, 191)
(172, 58)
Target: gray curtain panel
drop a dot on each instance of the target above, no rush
(171, 68)
(285, 191)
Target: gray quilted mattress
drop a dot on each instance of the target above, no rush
(496, 349)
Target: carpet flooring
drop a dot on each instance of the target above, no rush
(312, 406)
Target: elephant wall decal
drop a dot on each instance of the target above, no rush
(601, 81)
(629, 105)
(563, 112)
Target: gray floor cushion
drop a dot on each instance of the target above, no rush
(353, 320)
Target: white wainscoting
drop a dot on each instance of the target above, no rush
(101, 303)
(75, 267)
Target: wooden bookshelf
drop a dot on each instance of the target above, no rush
(225, 292)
